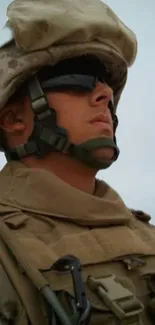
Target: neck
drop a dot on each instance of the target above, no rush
(67, 169)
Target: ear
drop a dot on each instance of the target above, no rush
(11, 120)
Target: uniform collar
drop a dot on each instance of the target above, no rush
(41, 192)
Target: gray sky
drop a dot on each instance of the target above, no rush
(133, 175)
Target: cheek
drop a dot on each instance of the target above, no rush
(110, 117)
(70, 112)
(73, 123)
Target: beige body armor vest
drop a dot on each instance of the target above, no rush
(42, 220)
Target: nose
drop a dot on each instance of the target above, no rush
(101, 94)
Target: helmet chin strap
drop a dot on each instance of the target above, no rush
(47, 136)
(85, 152)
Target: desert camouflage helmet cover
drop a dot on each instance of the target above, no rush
(47, 31)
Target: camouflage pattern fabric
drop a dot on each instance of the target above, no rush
(46, 32)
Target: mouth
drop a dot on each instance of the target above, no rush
(100, 119)
(103, 124)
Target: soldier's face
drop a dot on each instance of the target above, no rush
(85, 115)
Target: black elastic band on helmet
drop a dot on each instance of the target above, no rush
(82, 82)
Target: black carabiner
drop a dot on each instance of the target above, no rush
(72, 264)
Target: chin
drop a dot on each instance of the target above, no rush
(104, 153)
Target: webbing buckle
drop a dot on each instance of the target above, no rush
(118, 299)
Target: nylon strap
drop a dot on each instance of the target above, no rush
(84, 152)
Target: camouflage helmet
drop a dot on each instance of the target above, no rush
(45, 32)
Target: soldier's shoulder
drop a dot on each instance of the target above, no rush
(11, 309)
(141, 215)
(8, 299)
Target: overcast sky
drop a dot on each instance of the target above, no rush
(133, 175)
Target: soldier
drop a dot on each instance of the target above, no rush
(71, 251)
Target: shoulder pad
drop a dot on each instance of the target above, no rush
(142, 216)
(8, 299)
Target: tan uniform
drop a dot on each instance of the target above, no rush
(42, 218)
(50, 219)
